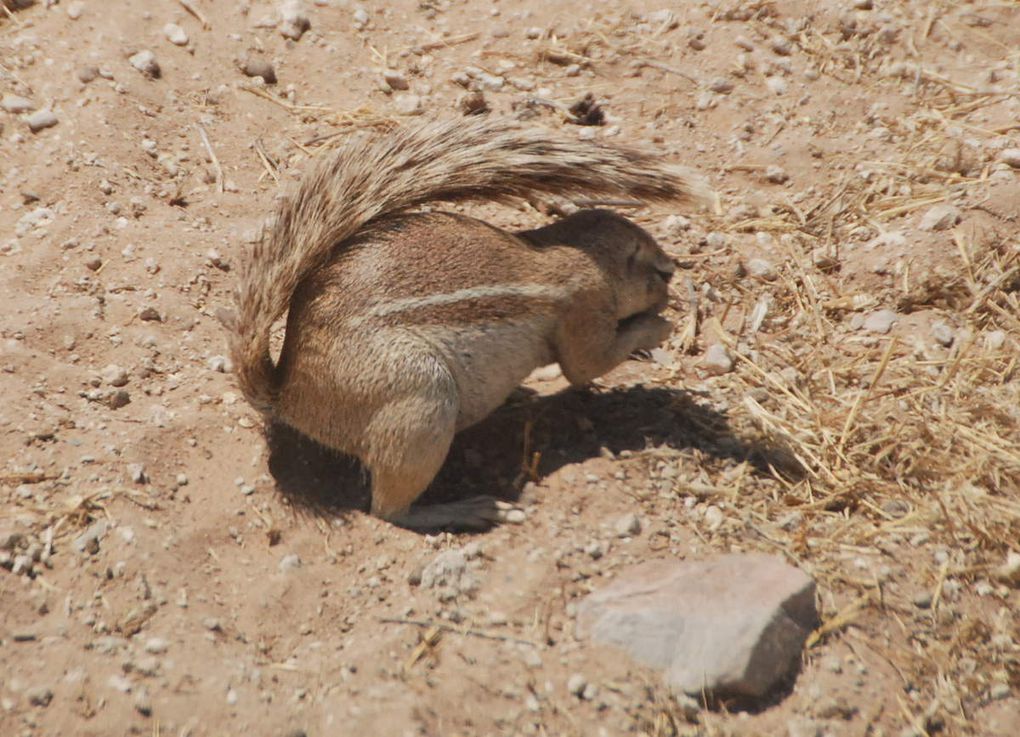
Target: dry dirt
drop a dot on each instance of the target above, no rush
(886, 464)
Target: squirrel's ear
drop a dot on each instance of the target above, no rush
(227, 317)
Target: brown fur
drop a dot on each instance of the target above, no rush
(404, 328)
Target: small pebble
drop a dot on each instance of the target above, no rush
(880, 321)
(294, 23)
(576, 684)
(776, 175)
(16, 104)
(776, 85)
(721, 85)
(114, 375)
(145, 62)
(156, 645)
(175, 34)
(408, 104)
(781, 46)
(943, 334)
(75, 9)
(995, 339)
(999, 691)
(716, 360)
(41, 120)
(143, 702)
(396, 80)
(940, 217)
(1010, 157)
(760, 268)
(137, 473)
(290, 562)
(472, 103)
(675, 225)
(219, 364)
(628, 525)
(39, 696)
(87, 74)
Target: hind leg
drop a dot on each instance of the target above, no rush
(408, 442)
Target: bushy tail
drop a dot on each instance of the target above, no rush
(379, 175)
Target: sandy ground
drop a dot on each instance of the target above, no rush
(236, 590)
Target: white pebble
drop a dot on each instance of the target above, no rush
(408, 104)
(290, 562)
(41, 120)
(628, 525)
(16, 104)
(175, 34)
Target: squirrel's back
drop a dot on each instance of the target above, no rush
(375, 176)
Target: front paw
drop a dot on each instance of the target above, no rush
(653, 330)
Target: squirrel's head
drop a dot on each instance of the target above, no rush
(632, 263)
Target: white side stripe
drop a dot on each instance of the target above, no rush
(407, 304)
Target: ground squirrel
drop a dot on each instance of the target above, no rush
(404, 328)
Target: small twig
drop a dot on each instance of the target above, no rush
(267, 162)
(456, 40)
(667, 68)
(456, 630)
(212, 156)
(190, 7)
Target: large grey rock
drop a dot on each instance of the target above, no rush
(732, 625)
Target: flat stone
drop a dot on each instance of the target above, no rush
(16, 104)
(731, 625)
(940, 217)
(880, 321)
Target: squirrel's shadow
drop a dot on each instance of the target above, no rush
(489, 458)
